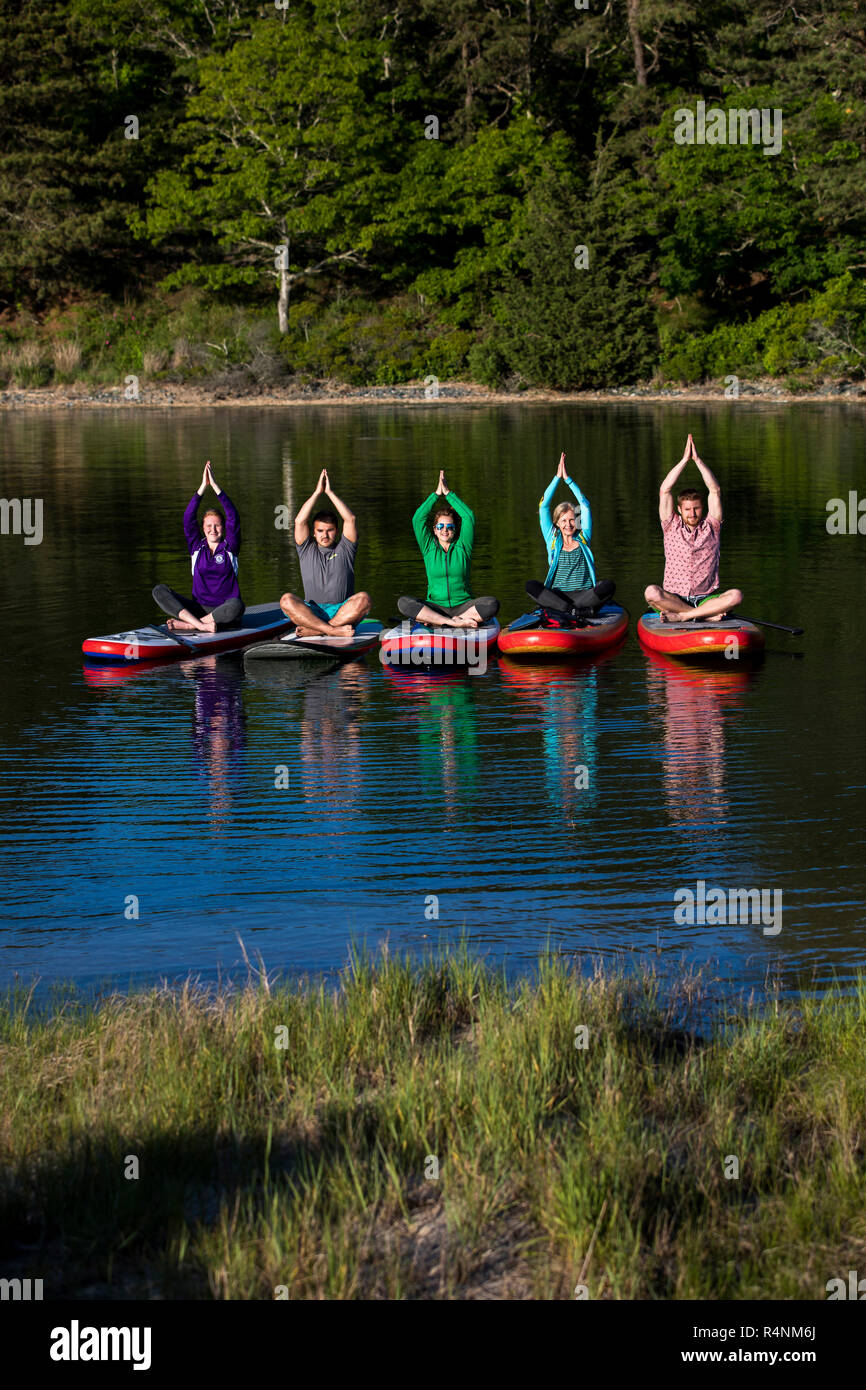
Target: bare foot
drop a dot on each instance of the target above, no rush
(208, 623)
(175, 625)
(462, 622)
(344, 630)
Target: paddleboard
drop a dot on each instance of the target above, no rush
(697, 639)
(414, 644)
(152, 643)
(527, 638)
(291, 647)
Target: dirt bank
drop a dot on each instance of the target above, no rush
(165, 395)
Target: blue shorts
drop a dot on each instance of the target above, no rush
(323, 611)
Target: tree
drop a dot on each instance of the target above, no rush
(579, 314)
(68, 178)
(285, 147)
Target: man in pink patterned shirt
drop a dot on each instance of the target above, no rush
(692, 543)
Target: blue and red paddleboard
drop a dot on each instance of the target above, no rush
(413, 644)
(528, 638)
(152, 643)
(692, 639)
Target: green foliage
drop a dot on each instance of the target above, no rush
(465, 210)
(566, 324)
(359, 340)
(281, 147)
(825, 335)
(260, 126)
(742, 228)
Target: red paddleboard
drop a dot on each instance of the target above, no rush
(150, 644)
(527, 638)
(731, 636)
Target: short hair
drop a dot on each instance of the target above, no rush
(326, 516)
(212, 511)
(689, 494)
(562, 509)
(445, 509)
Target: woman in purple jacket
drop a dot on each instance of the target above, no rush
(216, 596)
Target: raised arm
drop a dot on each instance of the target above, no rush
(666, 491)
(467, 519)
(302, 520)
(419, 522)
(712, 484)
(350, 529)
(545, 515)
(233, 520)
(190, 517)
(585, 509)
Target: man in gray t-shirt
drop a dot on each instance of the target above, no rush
(330, 607)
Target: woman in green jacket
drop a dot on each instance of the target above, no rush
(445, 532)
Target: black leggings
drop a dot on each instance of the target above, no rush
(562, 602)
(487, 608)
(225, 615)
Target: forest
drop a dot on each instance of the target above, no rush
(375, 191)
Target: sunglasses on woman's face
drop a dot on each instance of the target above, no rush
(444, 525)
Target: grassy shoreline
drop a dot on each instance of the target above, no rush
(307, 1169)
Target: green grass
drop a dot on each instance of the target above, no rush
(185, 337)
(304, 1167)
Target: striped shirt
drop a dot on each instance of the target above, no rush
(691, 556)
(572, 571)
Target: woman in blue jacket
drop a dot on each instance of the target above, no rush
(570, 588)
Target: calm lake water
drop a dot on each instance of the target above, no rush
(161, 784)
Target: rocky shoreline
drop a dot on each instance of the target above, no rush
(167, 395)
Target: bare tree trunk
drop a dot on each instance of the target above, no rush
(636, 42)
(283, 300)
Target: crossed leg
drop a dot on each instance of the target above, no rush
(341, 625)
(672, 608)
(473, 613)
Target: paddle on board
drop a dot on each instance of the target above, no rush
(166, 632)
(780, 627)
